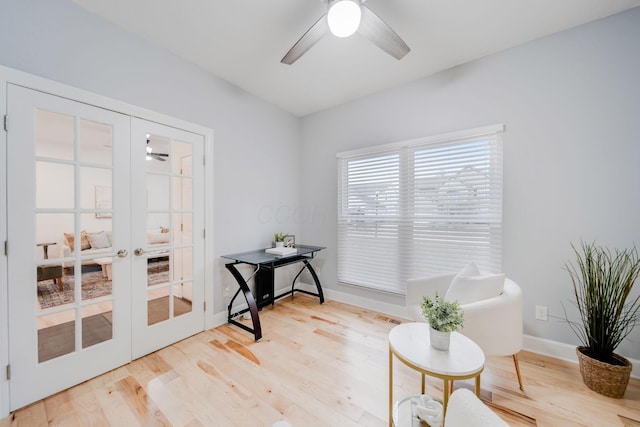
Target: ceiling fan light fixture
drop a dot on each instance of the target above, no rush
(344, 17)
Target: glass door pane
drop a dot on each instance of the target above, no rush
(170, 252)
(71, 270)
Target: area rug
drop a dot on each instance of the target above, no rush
(57, 340)
(94, 285)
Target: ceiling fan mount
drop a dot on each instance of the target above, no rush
(343, 18)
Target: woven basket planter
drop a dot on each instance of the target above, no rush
(604, 378)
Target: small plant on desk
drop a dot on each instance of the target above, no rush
(279, 238)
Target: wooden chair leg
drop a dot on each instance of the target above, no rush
(59, 281)
(515, 362)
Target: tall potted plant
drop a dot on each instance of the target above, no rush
(602, 283)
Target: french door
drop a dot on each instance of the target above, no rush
(167, 237)
(105, 262)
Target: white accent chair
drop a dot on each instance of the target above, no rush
(465, 410)
(495, 324)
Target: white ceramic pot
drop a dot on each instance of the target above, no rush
(439, 340)
(279, 244)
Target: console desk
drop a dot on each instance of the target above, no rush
(265, 265)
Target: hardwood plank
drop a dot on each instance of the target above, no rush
(86, 406)
(286, 397)
(32, 415)
(316, 365)
(141, 404)
(60, 411)
(113, 403)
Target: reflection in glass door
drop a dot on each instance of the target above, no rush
(168, 291)
(73, 272)
(69, 217)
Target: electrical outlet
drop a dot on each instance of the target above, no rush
(225, 291)
(541, 312)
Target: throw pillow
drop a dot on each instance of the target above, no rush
(471, 287)
(69, 240)
(98, 240)
(84, 241)
(470, 270)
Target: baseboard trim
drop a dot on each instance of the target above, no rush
(221, 317)
(379, 306)
(545, 347)
(555, 349)
(566, 352)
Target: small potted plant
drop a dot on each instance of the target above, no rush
(443, 317)
(602, 284)
(279, 239)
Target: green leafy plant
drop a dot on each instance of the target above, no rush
(443, 316)
(279, 237)
(602, 282)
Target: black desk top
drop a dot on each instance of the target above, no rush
(259, 256)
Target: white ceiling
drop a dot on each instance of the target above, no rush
(242, 41)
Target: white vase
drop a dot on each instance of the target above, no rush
(279, 244)
(439, 340)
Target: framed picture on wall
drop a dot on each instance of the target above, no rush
(103, 201)
(289, 241)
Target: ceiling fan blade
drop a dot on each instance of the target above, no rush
(380, 33)
(158, 156)
(306, 42)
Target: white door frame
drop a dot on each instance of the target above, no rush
(9, 75)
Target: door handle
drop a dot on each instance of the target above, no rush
(122, 253)
(139, 252)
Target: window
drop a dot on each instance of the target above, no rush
(418, 208)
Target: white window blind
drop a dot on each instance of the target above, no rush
(420, 208)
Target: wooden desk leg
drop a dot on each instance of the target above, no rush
(390, 388)
(478, 386)
(423, 384)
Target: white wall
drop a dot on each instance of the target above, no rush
(255, 144)
(571, 106)
(570, 103)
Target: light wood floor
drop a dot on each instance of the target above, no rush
(317, 365)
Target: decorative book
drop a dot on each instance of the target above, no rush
(282, 251)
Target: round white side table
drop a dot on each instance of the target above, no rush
(409, 343)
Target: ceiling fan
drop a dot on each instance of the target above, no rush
(157, 156)
(343, 18)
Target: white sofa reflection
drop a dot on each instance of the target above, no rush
(96, 244)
